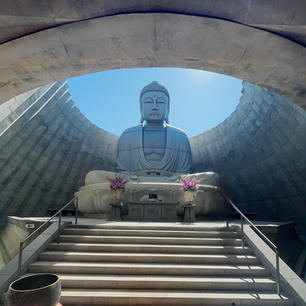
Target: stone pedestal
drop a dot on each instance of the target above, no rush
(152, 211)
(115, 214)
(151, 197)
(189, 212)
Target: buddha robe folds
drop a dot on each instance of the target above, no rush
(176, 158)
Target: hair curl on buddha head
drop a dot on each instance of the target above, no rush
(155, 86)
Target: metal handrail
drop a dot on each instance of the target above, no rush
(261, 234)
(242, 217)
(253, 226)
(36, 232)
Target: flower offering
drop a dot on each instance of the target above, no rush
(117, 183)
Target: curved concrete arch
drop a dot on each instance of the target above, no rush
(19, 18)
(158, 39)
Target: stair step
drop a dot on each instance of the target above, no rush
(150, 240)
(150, 233)
(146, 264)
(165, 282)
(146, 269)
(160, 298)
(156, 226)
(150, 248)
(148, 258)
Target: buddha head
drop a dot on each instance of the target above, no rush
(154, 103)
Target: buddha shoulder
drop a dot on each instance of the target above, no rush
(176, 132)
(133, 129)
(130, 132)
(129, 135)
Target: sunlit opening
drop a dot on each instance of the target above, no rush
(199, 100)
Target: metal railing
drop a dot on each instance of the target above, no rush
(227, 199)
(253, 226)
(37, 231)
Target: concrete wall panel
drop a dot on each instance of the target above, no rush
(46, 148)
(261, 149)
(47, 151)
(153, 40)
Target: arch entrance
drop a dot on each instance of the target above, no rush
(153, 40)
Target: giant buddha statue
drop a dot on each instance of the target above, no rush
(152, 156)
(154, 144)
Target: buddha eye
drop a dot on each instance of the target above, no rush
(148, 101)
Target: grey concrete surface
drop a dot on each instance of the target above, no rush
(142, 261)
(289, 281)
(47, 147)
(9, 241)
(153, 39)
(261, 150)
(30, 253)
(19, 18)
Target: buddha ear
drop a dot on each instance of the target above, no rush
(141, 113)
(167, 116)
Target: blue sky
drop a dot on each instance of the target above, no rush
(199, 100)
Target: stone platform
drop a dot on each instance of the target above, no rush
(152, 211)
(153, 197)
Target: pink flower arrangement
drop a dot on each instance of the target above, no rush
(189, 184)
(117, 183)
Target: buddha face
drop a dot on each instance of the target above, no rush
(154, 106)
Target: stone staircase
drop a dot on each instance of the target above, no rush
(122, 264)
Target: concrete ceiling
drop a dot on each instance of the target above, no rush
(283, 17)
(256, 40)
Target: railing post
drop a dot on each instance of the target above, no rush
(20, 259)
(38, 231)
(76, 210)
(261, 235)
(59, 226)
(277, 272)
(242, 233)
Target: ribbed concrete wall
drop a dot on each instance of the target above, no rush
(261, 149)
(46, 148)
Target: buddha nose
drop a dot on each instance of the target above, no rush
(154, 106)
